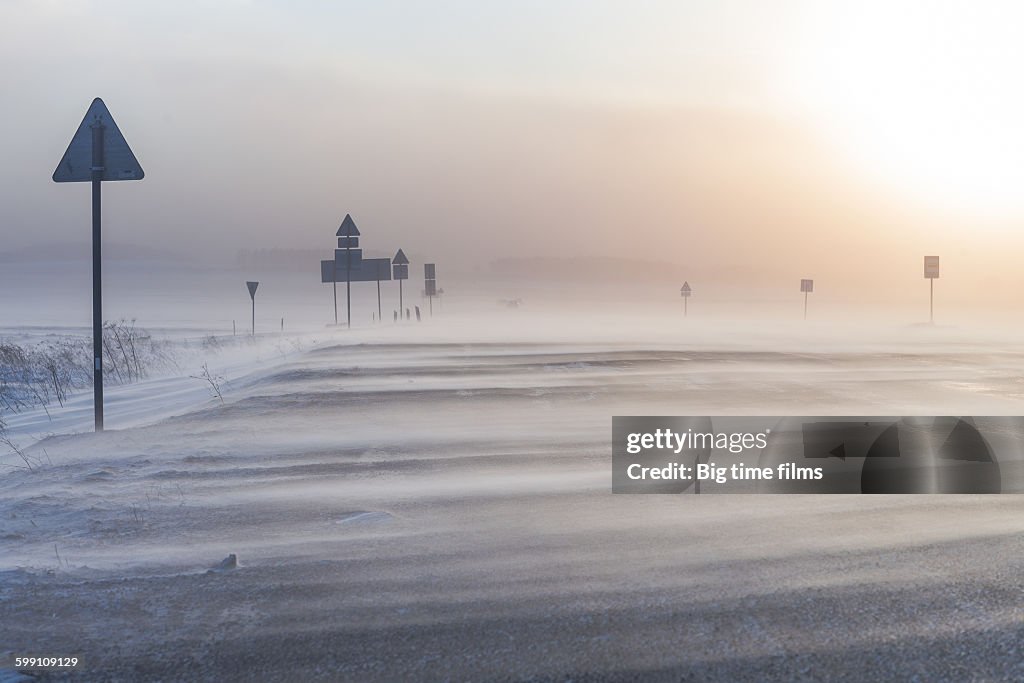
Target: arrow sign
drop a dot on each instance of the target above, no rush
(97, 152)
(348, 228)
(117, 162)
(839, 451)
(685, 289)
(252, 295)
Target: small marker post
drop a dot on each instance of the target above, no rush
(385, 266)
(931, 272)
(806, 286)
(685, 291)
(252, 295)
(430, 284)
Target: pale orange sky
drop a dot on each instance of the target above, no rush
(841, 141)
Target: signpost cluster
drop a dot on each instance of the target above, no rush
(349, 265)
(98, 152)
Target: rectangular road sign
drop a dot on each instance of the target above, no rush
(368, 270)
(348, 258)
(931, 267)
(431, 287)
(806, 285)
(428, 271)
(401, 272)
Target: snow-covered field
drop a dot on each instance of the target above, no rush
(433, 502)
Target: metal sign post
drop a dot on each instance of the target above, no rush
(430, 284)
(383, 270)
(806, 286)
(252, 295)
(334, 283)
(931, 272)
(400, 270)
(685, 292)
(348, 239)
(97, 152)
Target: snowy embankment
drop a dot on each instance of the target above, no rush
(179, 376)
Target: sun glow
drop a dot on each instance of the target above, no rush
(929, 97)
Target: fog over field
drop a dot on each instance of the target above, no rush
(281, 493)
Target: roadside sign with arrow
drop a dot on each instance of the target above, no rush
(931, 272)
(400, 268)
(685, 292)
(252, 295)
(98, 152)
(806, 286)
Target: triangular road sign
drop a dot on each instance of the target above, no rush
(400, 259)
(348, 228)
(119, 163)
(252, 289)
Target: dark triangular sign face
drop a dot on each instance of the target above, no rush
(348, 228)
(118, 161)
(965, 443)
(686, 286)
(252, 289)
(839, 451)
(400, 259)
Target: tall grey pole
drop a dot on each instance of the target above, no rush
(254, 316)
(931, 301)
(805, 305)
(685, 300)
(379, 318)
(334, 277)
(401, 306)
(348, 282)
(97, 279)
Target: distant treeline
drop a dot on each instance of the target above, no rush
(282, 259)
(620, 270)
(599, 269)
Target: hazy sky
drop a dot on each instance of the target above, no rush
(802, 138)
